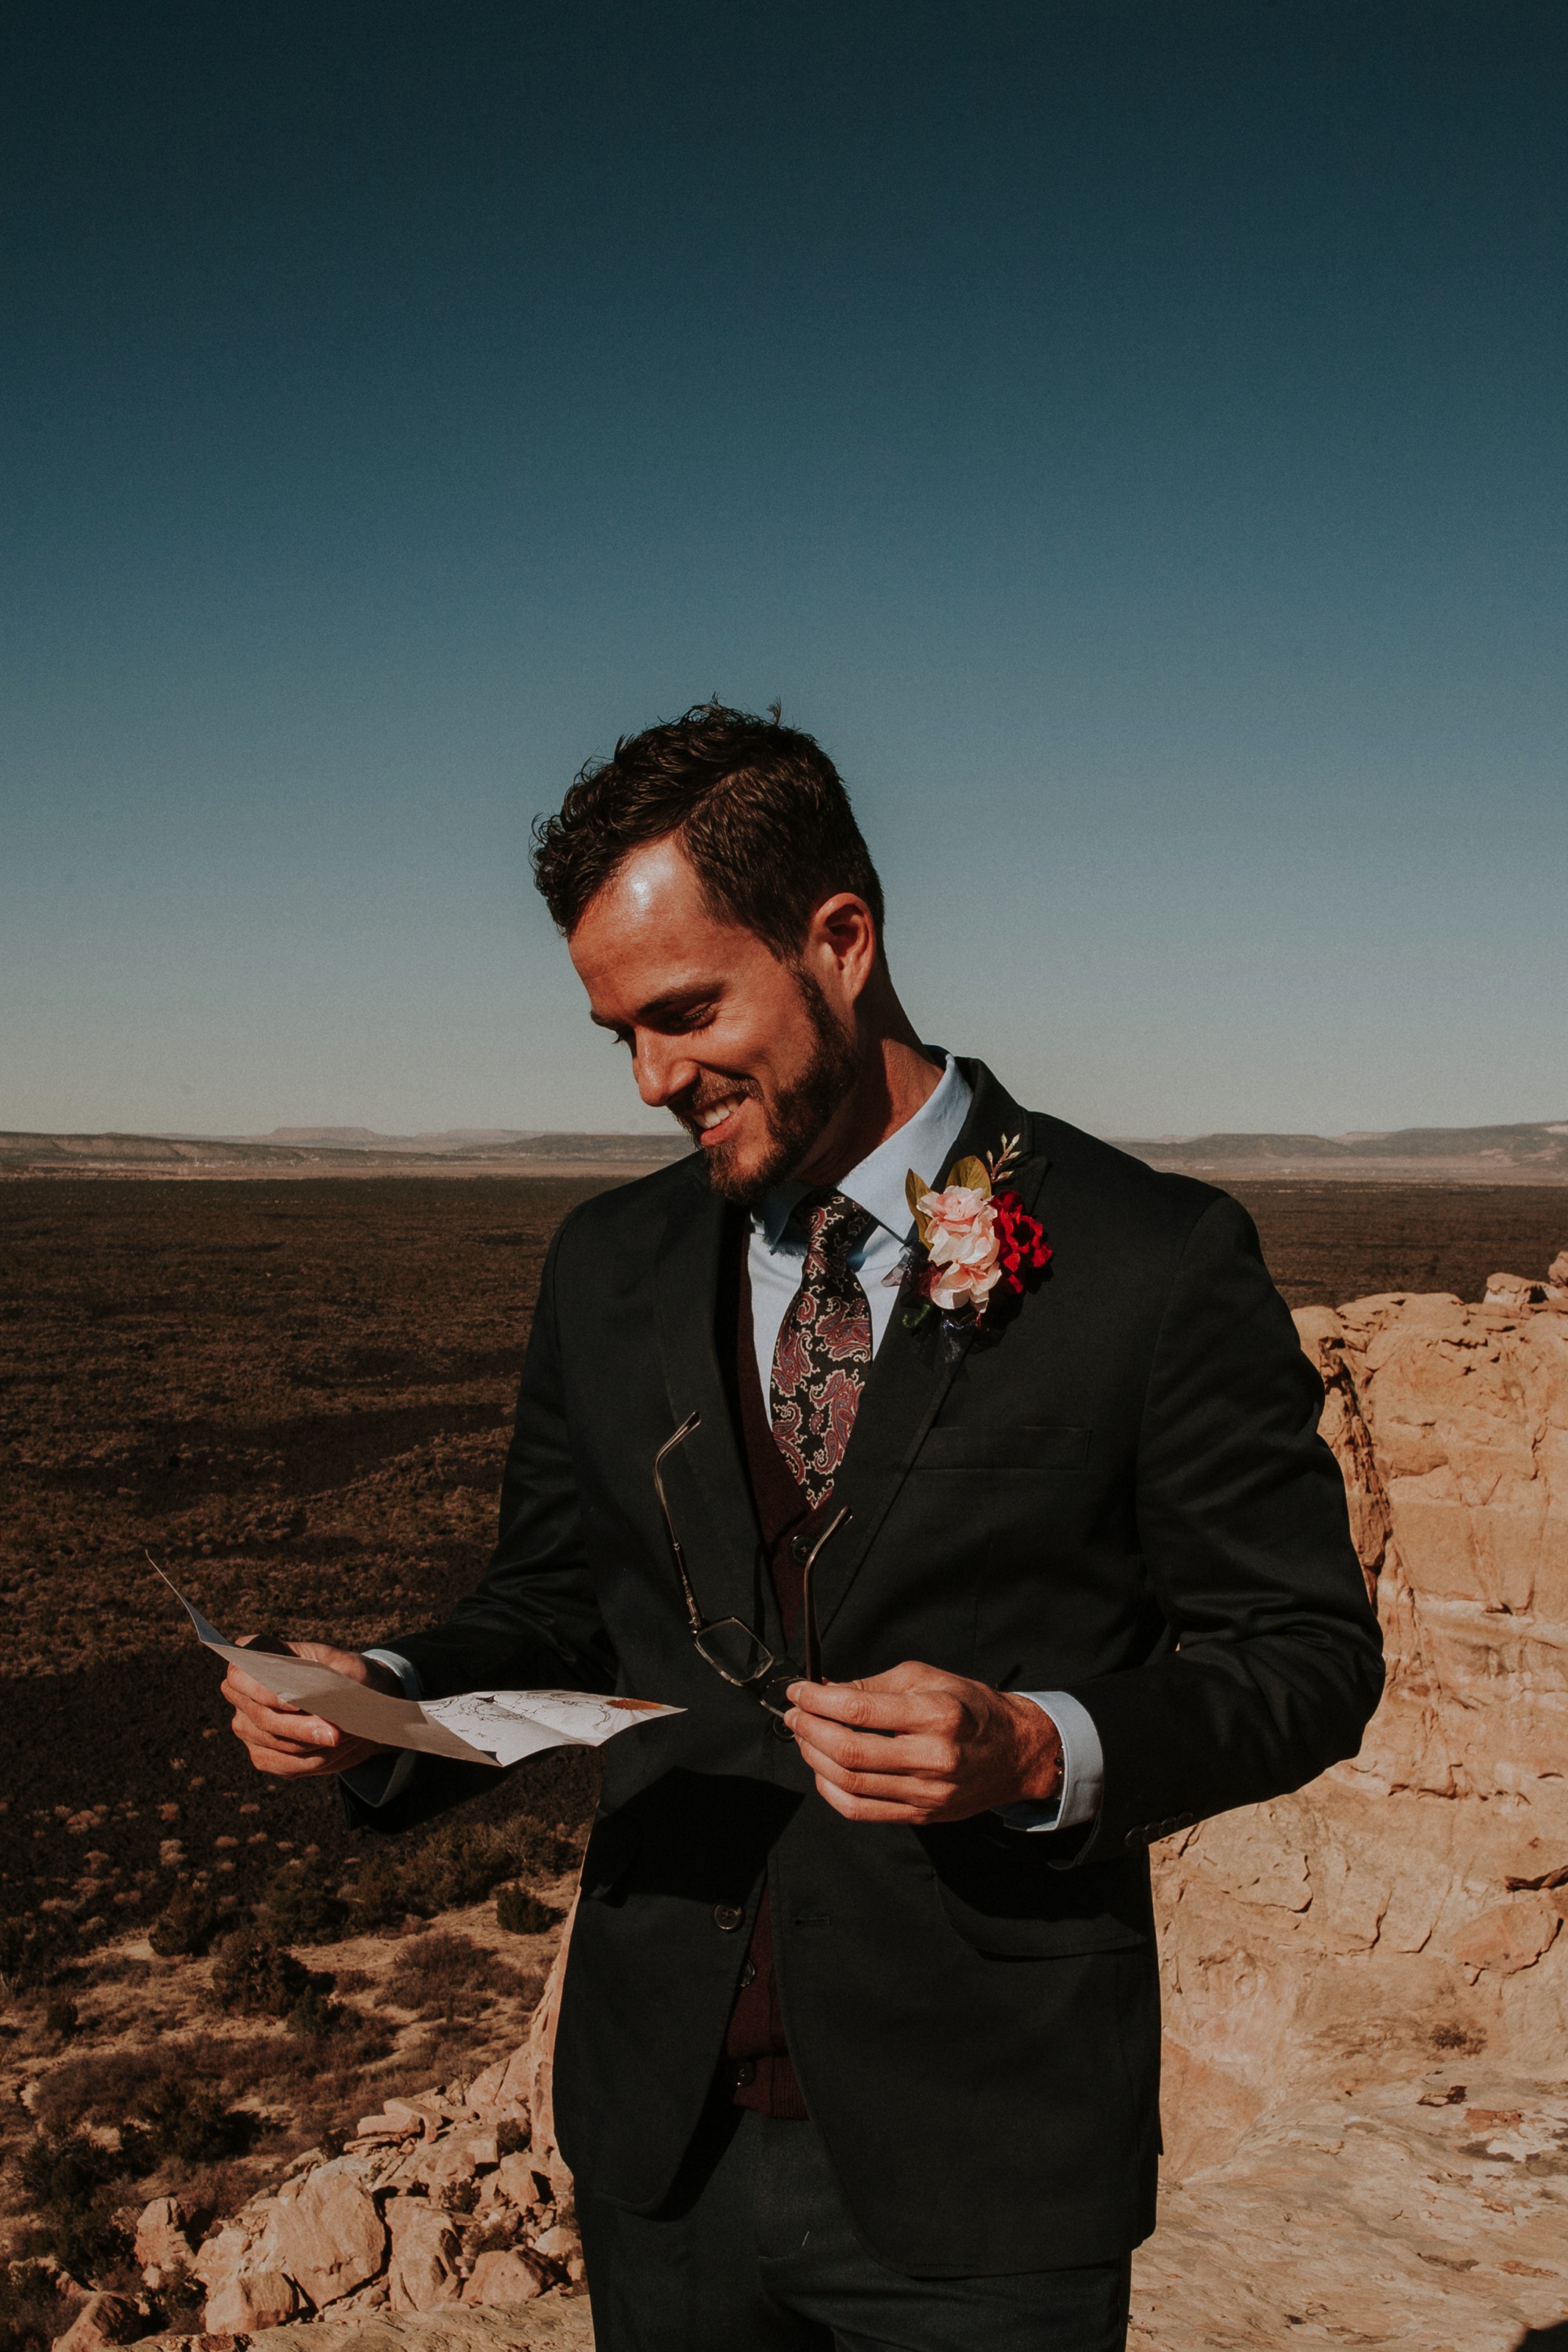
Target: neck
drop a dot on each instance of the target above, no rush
(897, 1076)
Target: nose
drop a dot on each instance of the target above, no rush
(662, 1067)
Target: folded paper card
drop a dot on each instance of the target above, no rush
(477, 1726)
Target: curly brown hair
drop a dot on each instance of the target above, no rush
(758, 808)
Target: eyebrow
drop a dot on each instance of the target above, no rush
(648, 1014)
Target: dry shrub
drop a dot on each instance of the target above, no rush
(185, 1930)
(301, 1907)
(33, 2311)
(257, 1974)
(214, 2191)
(105, 2087)
(189, 2123)
(452, 1865)
(170, 2104)
(523, 1914)
(29, 1955)
(281, 2068)
(69, 2182)
(441, 1976)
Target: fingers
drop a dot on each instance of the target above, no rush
(931, 1780)
(917, 1744)
(872, 1707)
(875, 1809)
(244, 1689)
(294, 1759)
(284, 1725)
(924, 1752)
(281, 1738)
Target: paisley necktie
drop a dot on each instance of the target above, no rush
(824, 1349)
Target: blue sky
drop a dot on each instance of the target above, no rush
(1130, 437)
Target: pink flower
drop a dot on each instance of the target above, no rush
(964, 1247)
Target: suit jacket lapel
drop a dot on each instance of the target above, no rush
(710, 1492)
(913, 1369)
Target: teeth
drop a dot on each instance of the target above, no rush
(706, 1119)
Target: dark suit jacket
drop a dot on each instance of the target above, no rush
(1120, 1493)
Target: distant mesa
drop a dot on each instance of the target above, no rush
(341, 1151)
(366, 1138)
(1530, 1153)
(1537, 1153)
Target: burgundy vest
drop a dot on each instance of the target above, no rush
(756, 2055)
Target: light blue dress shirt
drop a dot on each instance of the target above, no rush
(776, 1254)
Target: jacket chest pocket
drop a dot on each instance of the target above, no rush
(983, 1445)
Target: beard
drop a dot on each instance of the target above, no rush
(797, 1115)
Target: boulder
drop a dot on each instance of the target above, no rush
(521, 2184)
(423, 2272)
(218, 2261)
(162, 2243)
(426, 2115)
(248, 2300)
(504, 2279)
(102, 2319)
(324, 2233)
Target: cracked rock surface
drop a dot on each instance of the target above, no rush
(1365, 2097)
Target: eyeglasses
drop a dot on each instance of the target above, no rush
(727, 1643)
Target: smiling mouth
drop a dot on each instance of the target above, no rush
(715, 1114)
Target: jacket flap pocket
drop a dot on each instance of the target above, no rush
(1001, 1894)
(1035, 1936)
(1023, 1445)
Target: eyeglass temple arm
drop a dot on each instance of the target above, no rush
(808, 1603)
(693, 1421)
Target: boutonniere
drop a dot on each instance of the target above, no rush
(974, 1238)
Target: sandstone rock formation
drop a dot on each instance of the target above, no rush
(1393, 1932)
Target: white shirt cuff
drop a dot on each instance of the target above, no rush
(403, 1668)
(385, 1777)
(1083, 1769)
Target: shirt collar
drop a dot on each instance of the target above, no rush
(924, 1143)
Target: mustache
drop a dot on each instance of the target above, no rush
(706, 1094)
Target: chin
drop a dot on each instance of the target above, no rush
(741, 1175)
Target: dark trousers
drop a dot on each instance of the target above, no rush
(756, 2253)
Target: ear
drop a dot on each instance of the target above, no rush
(842, 937)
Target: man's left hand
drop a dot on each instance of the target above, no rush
(917, 1746)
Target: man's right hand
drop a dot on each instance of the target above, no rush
(296, 1746)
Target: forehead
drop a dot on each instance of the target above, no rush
(649, 935)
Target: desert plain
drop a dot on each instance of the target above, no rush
(295, 1395)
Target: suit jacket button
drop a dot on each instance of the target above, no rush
(1183, 1820)
(800, 1550)
(749, 1973)
(745, 2074)
(1136, 1838)
(728, 1915)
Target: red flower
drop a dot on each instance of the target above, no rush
(1024, 1249)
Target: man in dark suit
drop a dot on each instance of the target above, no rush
(859, 2037)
